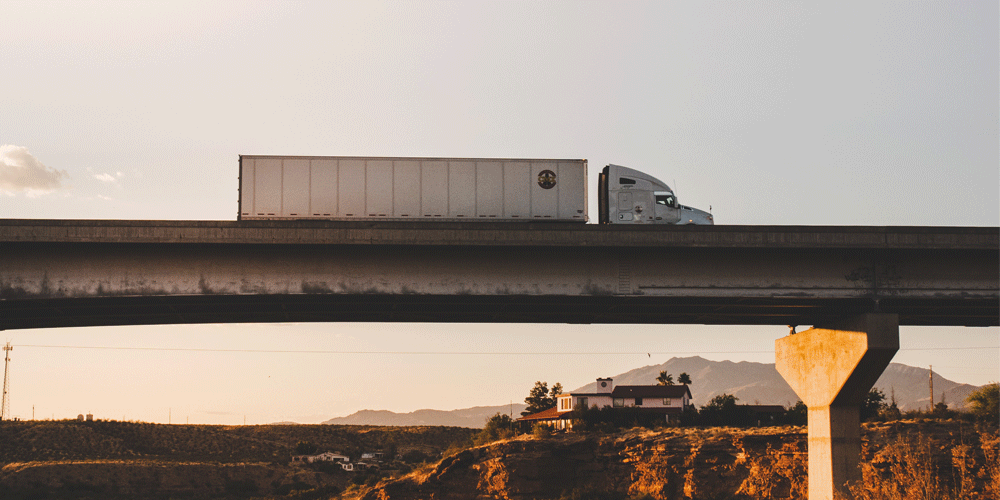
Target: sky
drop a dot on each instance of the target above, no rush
(770, 113)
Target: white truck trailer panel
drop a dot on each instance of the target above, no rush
(457, 189)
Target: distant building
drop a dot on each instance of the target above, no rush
(667, 400)
(80, 417)
(322, 457)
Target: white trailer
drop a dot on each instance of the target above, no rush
(403, 189)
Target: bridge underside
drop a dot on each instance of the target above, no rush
(103, 311)
(59, 274)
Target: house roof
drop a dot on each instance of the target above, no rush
(550, 414)
(651, 391)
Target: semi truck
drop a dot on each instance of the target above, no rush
(450, 189)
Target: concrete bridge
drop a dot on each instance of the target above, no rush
(93, 273)
(855, 284)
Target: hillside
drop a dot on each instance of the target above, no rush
(761, 383)
(684, 463)
(474, 417)
(119, 460)
(45, 440)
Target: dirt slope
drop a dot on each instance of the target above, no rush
(766, 463)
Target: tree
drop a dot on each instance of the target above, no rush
(665, 379)
(684, 378)
(305, 448)
(985, 402)
(540, 398)
(722, 401)
(723, 410)
(873, 404)
(797, 414)
(555, 391)
(891, 412)
(499, 426)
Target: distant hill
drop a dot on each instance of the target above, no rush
(760, 383)
(475, 417)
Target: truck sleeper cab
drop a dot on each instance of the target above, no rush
(627, 196)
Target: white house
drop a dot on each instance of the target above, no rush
(668, 400)
(322, 457)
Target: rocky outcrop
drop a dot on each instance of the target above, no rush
(954, 458)
(665, 464)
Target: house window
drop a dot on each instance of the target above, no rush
(638, 401)
(582, 403)
(666, 401)
(564, 403)
(618, 402)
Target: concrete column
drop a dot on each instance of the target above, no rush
(832, 368)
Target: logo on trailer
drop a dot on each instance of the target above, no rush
(547, 179)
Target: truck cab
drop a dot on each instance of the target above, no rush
(628, 196)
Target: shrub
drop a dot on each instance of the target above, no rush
(415, 456)
(498, 427)
(985, 402)
(541, 431)
(610, 419)
(723, 410)
(797, 414)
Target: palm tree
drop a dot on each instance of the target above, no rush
(665, 379)
(684, 378)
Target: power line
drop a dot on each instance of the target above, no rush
(462, 353)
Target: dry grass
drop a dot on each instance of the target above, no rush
(990, 473)
(917, 467)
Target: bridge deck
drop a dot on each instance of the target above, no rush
(492, 234)
(81, 273)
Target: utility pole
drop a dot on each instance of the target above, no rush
(5, 406)
(930, 382)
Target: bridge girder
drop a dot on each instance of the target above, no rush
(57, 273)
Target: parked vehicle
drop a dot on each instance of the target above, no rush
(450, 189)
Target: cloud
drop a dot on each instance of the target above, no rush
(21, 172)
(107, 178)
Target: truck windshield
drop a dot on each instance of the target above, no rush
(665, 199)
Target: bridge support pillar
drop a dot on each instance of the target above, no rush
(832, 368)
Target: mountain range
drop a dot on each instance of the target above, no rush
(474, 417)
(760, 383)
(752, 383)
